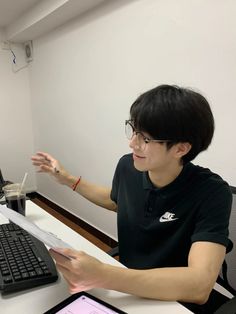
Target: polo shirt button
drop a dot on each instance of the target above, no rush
(150, 209)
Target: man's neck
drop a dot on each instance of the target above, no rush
(165, 177)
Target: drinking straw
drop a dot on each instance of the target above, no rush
(23, 183)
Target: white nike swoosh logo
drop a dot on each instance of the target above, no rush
(162, 219)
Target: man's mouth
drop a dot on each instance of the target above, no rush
(135, 156)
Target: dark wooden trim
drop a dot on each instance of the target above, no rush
(97, 233)
(233, 189)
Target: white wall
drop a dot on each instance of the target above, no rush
(86, 74)
(16, 140)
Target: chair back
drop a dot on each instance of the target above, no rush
(228, 308)
(1, 179)
(231, 256)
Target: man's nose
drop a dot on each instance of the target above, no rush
(133, 143)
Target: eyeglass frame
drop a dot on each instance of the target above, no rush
(145, 138)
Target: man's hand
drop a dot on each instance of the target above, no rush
(82, 272)
(94, 193)
(48, 164)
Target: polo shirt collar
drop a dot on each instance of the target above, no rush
(171, 187)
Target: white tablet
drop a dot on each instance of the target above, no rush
(84, 303)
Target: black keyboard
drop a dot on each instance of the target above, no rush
(24, 260)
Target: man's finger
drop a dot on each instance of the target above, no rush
(38, 162)
(45, 156)
(61, 258)
(66, 251)
(44, 168)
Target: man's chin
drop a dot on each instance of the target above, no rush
(139, 167)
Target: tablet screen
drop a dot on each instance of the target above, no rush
(84, 303)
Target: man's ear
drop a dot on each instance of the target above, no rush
(182, 149)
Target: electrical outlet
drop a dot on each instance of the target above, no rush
(5, 45)
(28, 51)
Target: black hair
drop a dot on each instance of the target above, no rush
(170, 112)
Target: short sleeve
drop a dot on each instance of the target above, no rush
(212, 220)
(115, 184)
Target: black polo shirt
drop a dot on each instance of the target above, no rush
(156, 227)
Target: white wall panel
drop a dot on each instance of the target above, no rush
(16, 140)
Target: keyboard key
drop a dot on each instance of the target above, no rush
(17, 278)
(39, 271)
(32, 274)
(7, 279)
(25, 275)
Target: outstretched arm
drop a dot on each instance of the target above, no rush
(190, 284)
(94, 193)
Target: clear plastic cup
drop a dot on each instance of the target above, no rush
(15, 197)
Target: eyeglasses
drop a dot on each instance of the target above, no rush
(141, 139)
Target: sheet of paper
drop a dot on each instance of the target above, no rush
(47, 237)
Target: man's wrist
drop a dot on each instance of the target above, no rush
(110, 276)
(69, 180)
(74, 186)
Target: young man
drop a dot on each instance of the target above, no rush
(172, 215)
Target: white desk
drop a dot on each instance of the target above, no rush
(40, 299)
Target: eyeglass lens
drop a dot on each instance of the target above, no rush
(130, 131)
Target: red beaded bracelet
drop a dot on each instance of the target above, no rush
(74, 186)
